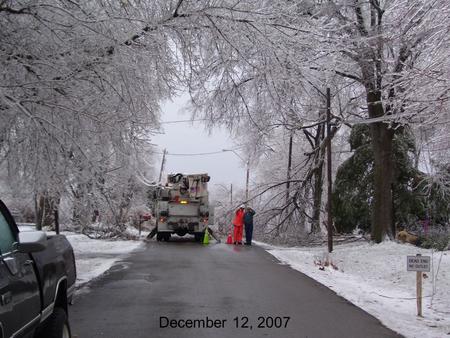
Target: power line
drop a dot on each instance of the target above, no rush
(181, 121)
(196, 154)
(167, 153)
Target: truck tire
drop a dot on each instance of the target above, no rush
(56, 326)
(167, 237)
(159, 236)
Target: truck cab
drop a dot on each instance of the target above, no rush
(37, 276)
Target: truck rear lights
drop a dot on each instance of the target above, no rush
(184, 202)
(205, 220)
(162, 219)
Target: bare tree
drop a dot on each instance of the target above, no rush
(248, 62)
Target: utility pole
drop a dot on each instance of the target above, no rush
(163, 162)
(248, 173)
(329, 178)
(231, 194)
(288, 181)
(246, 183)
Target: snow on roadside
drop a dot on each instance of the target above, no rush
(374, 277)
(94, 256)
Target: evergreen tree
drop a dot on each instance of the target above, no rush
(353, 191)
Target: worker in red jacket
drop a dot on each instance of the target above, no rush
(238, 223)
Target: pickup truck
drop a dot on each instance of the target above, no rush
(37, 279)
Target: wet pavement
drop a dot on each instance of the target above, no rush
(185, 289)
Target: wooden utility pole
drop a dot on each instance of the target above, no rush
(288, 181)
(247, 182)
(329, 177)
(231, 194)
(163, 162)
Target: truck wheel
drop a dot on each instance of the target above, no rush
(159, 237)
(182, 232)
(167, 237)
(198, 237)
(57, 325)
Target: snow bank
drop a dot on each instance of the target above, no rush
(374, 277)
(93, 256)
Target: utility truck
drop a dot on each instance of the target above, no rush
(181, 206)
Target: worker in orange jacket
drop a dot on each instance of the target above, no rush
(238, 223)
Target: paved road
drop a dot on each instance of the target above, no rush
(187, 282)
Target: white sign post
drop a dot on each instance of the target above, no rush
(419, 264)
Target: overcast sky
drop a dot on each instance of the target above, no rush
(187, 138)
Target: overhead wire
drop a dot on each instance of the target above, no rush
(198, 154)
(181, 121)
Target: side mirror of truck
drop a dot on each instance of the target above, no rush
(32, 241)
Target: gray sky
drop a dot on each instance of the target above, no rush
(187, 138)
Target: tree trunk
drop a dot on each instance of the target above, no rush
(318, 175)
(45, 207)
(302, 210)
(382, 137)
(38, 211)
(317, 198)
(56, 216)
(79, 210)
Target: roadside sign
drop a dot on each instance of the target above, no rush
(418, 263)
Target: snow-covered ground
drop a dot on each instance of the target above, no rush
(94, 256)
(374, 277)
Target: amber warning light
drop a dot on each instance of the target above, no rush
(183, 202)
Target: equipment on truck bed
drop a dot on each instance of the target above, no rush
(181, 206)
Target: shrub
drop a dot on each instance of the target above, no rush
(438, 238)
